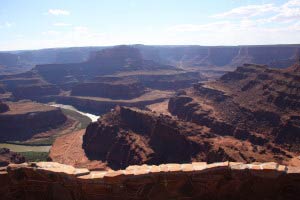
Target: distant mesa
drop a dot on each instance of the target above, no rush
(107, 61)
(279, 56)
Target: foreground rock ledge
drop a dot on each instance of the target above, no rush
(226, 180)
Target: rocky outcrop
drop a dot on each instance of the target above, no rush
(7, 157)
(253, 103)
(25, 119)
(226, 180)
(128, 136)
(108, 90)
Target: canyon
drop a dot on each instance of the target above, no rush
(112, 76)
(183, 122)
(252, 103)
(280, 56)
(248, 115)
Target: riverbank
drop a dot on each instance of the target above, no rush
(25, 148)
(37, 150)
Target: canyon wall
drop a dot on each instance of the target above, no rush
(254, 103)
(280, 56)
(108, 90)
(129, 136)
(25, 119)
(35, 91)
(197, 180)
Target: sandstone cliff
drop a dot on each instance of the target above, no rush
(35, 91)
(109, 90)
(253, 103)
(25, 119)
(128, 136)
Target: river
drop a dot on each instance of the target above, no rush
(69, 107)
(26, 148)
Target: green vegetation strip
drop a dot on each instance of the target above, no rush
(32, 156)
(25, 148)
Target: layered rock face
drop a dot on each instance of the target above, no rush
(109, 90)
(158, 80)
(130, 136)
(14, 82)
(253, 103)
(10, 63)
(25, 119)
(28, 85)
(107, 61)
(276, 56)
(35, 91)
(226, 180)
(7, 157)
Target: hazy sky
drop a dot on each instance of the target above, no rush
(34, 24)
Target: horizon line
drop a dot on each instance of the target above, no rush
(166, 45)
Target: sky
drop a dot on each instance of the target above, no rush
(36, 24)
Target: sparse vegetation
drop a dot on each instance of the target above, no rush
(35, 156)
